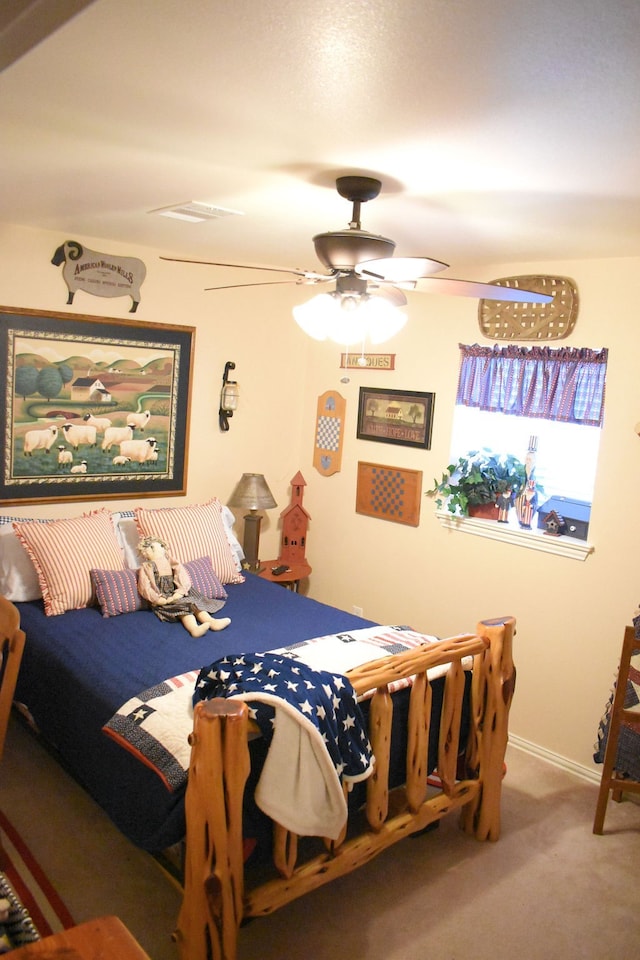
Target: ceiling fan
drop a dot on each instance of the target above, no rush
(367, 275)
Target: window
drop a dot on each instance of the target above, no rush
(508, 395)
(567, 454)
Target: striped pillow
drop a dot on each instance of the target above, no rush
(117, 592)
(64, 551)
(204, 579)
(192, 532)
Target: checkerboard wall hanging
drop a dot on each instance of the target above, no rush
(327, 453)
(389, 493)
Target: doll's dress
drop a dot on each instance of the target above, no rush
(192, 602)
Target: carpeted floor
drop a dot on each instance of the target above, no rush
(548, 889)
(35, 907)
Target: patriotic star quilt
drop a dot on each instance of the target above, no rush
(155, 725)
(315, 730)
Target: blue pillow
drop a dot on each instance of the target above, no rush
(204, 579)
(117, 592)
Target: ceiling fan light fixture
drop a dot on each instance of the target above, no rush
(315, 315)
(349, 319)
(348, 327)
(383, 320)
(349, 302)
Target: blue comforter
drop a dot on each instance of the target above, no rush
(79, 667)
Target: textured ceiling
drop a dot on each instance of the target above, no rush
(502, 130)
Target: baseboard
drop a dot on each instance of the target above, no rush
(578, 769)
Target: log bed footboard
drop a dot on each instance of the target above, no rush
(216, 899)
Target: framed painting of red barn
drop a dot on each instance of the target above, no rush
(94, 407)
(404, 417)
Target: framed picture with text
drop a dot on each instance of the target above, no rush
(93, 407)
(404, 417)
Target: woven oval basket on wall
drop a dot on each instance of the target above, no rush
(531, 321)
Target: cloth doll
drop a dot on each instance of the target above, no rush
(167, 586)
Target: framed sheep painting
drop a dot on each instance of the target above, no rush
(93, 407)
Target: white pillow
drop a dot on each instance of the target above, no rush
(18, 575)
(228, 520)
(128, 537)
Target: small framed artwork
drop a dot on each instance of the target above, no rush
(93, 408)
(404, 417)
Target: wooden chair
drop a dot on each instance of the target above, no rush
(106, 938)
(610, 780)
(11, 646)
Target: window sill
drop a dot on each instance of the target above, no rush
(529, 539)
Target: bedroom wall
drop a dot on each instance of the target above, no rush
(254, 334)
(571, 614)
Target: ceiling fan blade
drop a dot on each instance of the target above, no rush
(483, 291)
(394, 295)
(307, 274)
(259, 283)
(399, 269)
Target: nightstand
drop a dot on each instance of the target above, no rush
(290, 579)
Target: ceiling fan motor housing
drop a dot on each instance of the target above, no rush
(351, 285)
(342, 250)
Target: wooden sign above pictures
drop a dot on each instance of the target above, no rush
(368, 361)
(100, 274)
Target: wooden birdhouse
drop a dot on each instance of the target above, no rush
(554, 524)
(295, 520)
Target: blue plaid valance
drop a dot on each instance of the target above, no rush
(565, 384)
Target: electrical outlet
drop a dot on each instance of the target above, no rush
(357, 611)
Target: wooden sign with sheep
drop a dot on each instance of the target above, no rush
(99, 274)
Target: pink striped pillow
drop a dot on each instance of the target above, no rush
(192, 532)
(117, 592)
(64, 551)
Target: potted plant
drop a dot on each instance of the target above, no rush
(480, 483)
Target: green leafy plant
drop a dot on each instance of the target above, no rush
(478, 477)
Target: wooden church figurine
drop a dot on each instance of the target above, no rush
(295, 521)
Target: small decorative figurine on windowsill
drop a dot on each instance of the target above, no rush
(167, 586)
(527, 499)
(503, 502)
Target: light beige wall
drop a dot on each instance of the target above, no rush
(570, 614)
(268, 350)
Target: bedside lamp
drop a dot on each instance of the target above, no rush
(252, 492)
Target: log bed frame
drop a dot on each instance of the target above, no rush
(217, 897)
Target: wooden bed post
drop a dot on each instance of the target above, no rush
(11, 647)
(212, 905)
(492, 691)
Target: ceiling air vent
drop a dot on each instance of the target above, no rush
(195, 212)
